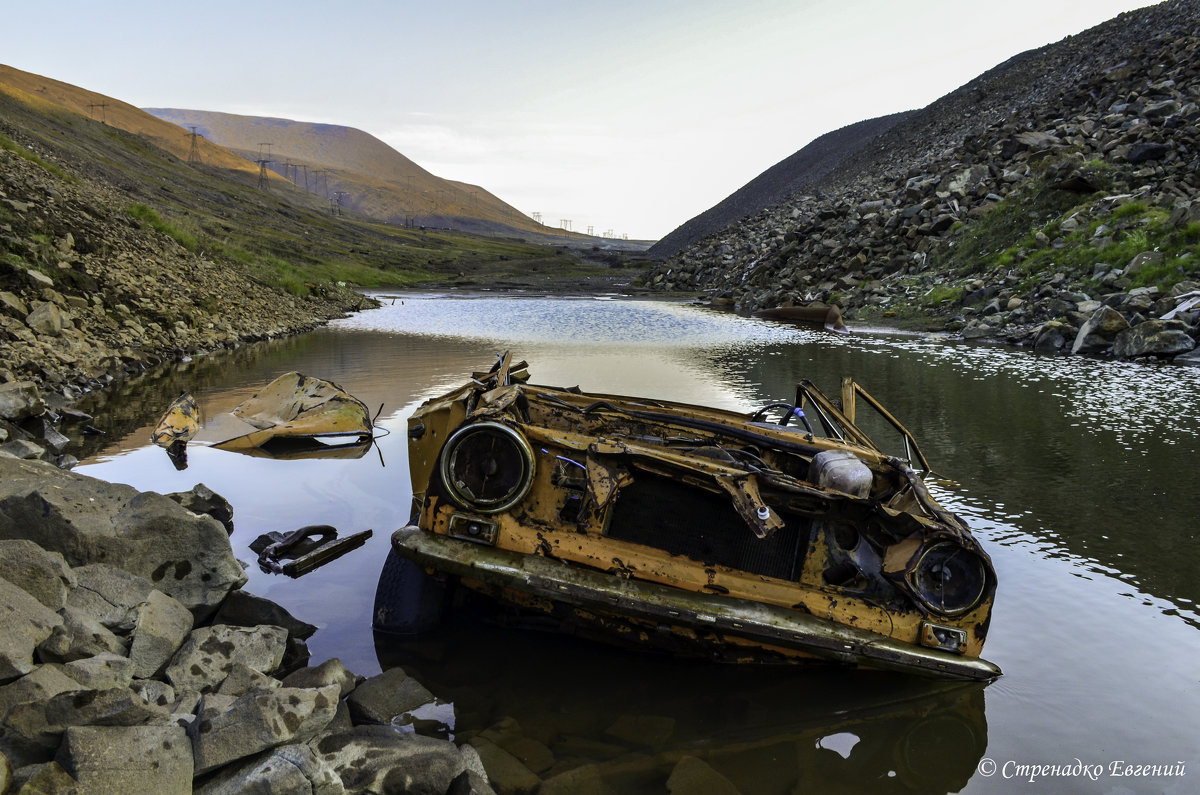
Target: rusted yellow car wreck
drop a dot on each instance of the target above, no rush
(693, 530)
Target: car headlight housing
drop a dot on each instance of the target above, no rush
(949, 579)
(487, 467)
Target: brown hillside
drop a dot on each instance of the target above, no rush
(375, 179)
(45, 92)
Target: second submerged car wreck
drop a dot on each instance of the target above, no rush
(694, 530)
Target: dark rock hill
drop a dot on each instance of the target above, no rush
(1060, 183)
(790, 175)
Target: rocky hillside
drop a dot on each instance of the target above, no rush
(795, 173)
(116, 252)
(1052, 202)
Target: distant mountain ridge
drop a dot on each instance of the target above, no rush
(365, 174)
(795, 173)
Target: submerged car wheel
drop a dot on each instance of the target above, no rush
(407, 600)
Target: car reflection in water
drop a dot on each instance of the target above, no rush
(589, 712)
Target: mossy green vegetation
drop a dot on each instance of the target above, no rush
(1040, 231)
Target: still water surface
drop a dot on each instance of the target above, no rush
(1078, 476)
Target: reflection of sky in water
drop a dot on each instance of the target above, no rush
(520, 321)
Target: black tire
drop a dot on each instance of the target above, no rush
(408, 602)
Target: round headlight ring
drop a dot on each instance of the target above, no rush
(487, 467)
(949, 579)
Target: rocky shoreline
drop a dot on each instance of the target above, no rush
(90, 293)
(132, 661)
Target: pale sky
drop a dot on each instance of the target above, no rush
(627, 115)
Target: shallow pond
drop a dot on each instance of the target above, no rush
(1078, 476)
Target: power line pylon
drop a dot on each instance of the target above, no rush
(92, 110)
(194, 152)
(263, 161)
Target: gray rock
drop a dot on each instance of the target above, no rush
(1096, 335)
(5, 773)
(1190, 359)
(330, 672)
(101, 672)
(208, 654)
(39, 684)
(203, 500)
(380, 759)
(155, 692)
(244, 609)
(384, 697)
(113, 706)
(12, 305)
(47, 778)
(79, 636)
(46, 318)
(1153, 338)
(24, 623)
(259, 720)
(43, 575)
(38, 279)
(22, 449)
(110, 595)
(128, 759)
(1051, 337)
(161, 627)
(91, 521)
(20, 399)
(280, 771)
(242, 679)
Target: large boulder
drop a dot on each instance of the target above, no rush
(280, 771)
(43, 575)
(259, 720)
(1097, 333)
(147, 759)
(161, 627)
(185, 555)
(20, 399)
(1154, 338)
(209, 653)
(24, 623)
(381, 759)
(386, 696)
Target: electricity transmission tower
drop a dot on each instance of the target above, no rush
(537, 217)
(92, 110)
(565, 224)
(335, 203)
(263, 161)
(194, 152)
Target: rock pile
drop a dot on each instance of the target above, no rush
(89, 293)
(1036, 219)
(131, 661)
